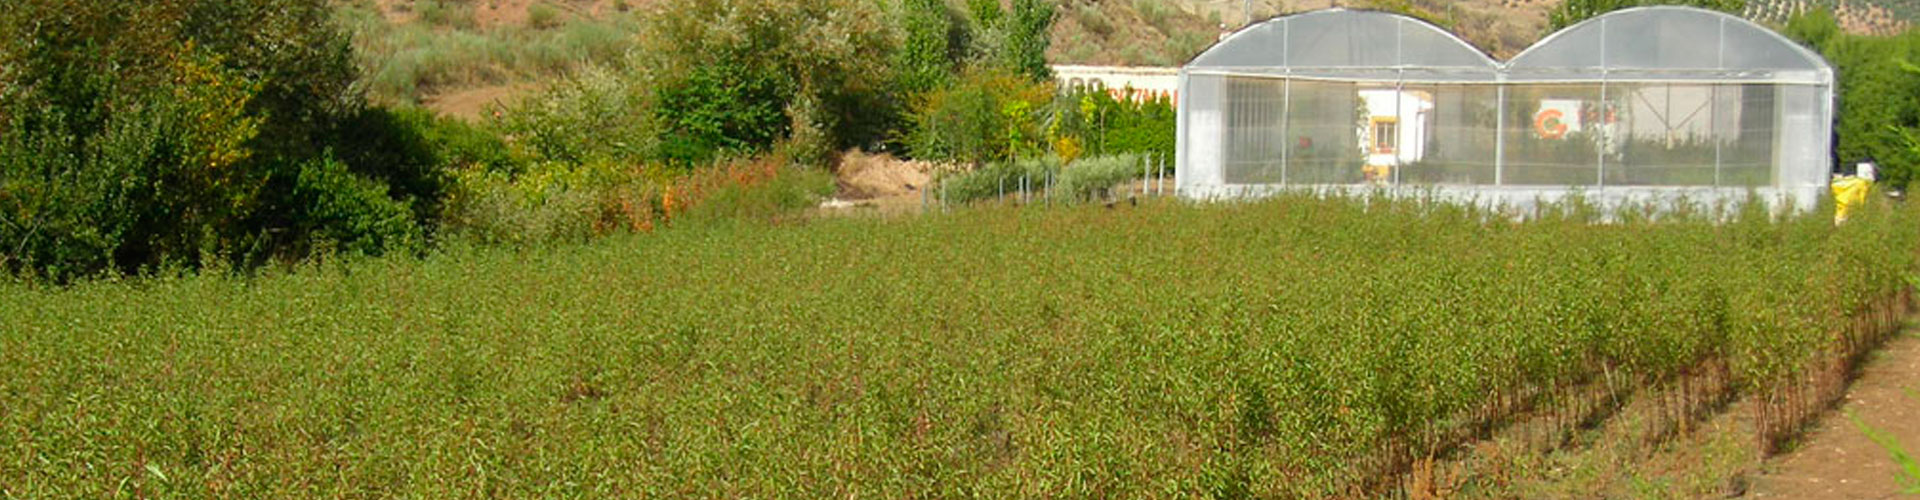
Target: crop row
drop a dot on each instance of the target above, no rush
(1291, 347)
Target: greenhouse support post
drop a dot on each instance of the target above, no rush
(1500, 135)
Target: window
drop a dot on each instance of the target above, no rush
(1386, 133)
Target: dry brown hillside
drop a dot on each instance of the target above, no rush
(463, 55)
(1164, 32)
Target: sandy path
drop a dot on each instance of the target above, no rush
(1836, 460)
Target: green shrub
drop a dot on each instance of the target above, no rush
(714, 110)
(1877, 106)
(543, 16)
(182, 133)
(446, 13)
(792, 188)
(547, 202)
(995, 180)
(347, 214)
(812, 64)
(1103, 125)
(161, 178)
(591, 116)
(1094, 178)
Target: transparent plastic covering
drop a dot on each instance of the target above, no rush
(1349, 45)
(1639, 104)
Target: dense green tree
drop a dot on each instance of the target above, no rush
(168, 132)
(925, 60)
(822, 65)
(1028, 32)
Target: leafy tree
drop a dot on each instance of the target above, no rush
(822, 64)
(988, 116)
(136, 134)
(925, 60)
(1027, 37)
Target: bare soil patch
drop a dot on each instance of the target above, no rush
(472, 104)
(879, 182)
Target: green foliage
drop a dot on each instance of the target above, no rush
(1273, 349)
(927, 56)
(1089, 179)
(806, 65)
(992, 181)
(794, 189)
(721, 109)
(191, 132)
(1095, 178)
(547, 202)
(596, 115)
(1104, 125)
(347, 214)
(1028, 33)
(1571, 12)
(158, 179)
(987, 116)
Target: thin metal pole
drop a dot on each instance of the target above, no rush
(1713, 108)
(1500, 136)
(1160, 179)
(1600, 131)
(1399, 95)
(1286, 117)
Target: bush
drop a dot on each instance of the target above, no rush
(160, 179)
(404, 62)
(548, 202)
(453, 14)
(596, 115)
(1095, 178)
(809, 65)
(780, 189)
(142, 135)
(347, 214)
(1089, 179)
(543, 16)
(997, 180)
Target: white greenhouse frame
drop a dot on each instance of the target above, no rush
(1647, 104)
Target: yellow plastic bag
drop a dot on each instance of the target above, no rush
(1848, 194)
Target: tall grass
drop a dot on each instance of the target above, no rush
(404, 62)
(1295, 347)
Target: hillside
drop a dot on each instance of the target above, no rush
(460, 55)
(1166, 32)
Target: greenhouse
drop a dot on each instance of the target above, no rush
(1645, 104)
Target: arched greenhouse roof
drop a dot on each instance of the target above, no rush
(1347, 44)
(1669, 43)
